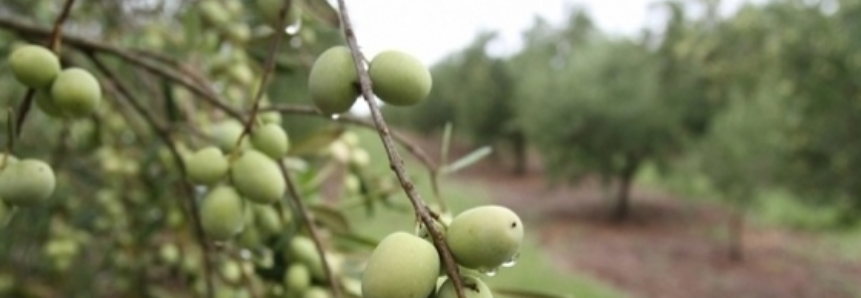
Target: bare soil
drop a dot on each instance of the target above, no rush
(670, 247)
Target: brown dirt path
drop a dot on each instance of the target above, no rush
(671, 248)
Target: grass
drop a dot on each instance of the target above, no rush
(533, 272)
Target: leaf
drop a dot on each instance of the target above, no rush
(295, 164)
(323, 11)
(527, 294)
(331, 218)
(360, 239)
(316, 143)
(446, 142)
(351, 286)
(467, 160)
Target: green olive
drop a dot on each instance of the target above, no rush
(399, 79)
(332, 81)
(257, 177)
(485, 237)
(27, 182)
(402, 265)
(34, 66)
(221, 213)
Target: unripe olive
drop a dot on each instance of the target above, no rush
(258, 178)
(34, 66)
(241, 72)
(271, 140)
(401, 266)
(9, 159)
(399, 79)
(47, 105)
(76, 92)
(221, 213)
(332, 81)
(267, 219)
(207, 166)
(231, 271)
(169, 253)
(27, 182)
(226, 133)
(316, 292)
(273, 117)
(485, 237)
(473, 288)
(238, 33)
(297, 278)
(270, 9)
(213, 12)
(303, 250)
(249, 237)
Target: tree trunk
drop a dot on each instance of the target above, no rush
(518, 144)
(736, 234)
(626, 177)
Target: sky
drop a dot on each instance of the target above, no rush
(432, 29)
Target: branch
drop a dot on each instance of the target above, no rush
(164, 134)
(267, 69)
(312, 231)
(394, 158)
(89, 45)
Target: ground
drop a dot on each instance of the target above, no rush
(670, 247)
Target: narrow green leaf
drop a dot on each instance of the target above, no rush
(331, 218)
(446, 142)
(316, 143)
(359, 239)
(295, 164)
(323, 11)
(515, 293)
(467, 160)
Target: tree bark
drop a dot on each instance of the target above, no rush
(518, 144)
(736, 234)
(622, 211)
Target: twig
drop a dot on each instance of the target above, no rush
(394, 158)
(312, 230)
(164, 134)
(58, 26)
(166, 72)
(267, 69)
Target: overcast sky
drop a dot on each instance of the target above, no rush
(432, 29)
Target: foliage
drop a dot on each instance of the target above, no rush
(127, 219)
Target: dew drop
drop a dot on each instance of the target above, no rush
(491, 272)
(335, 116)
(510, 263)
(293, 28)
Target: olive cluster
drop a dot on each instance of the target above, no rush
(69, 93)
(398, 79)
(481, 239)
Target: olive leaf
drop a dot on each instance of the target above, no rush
(330, 217)
(467, 160)
(316, 143)
(516, 293)
(446, 142)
